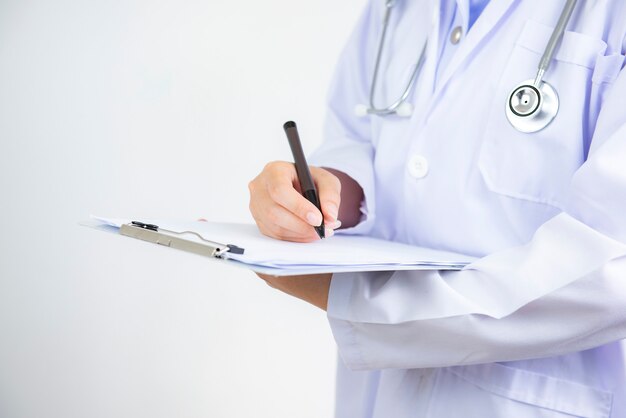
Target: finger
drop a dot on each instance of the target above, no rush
(286, 196)
(333, 225)
(278, 232)
(265, 209)
(329, 190)
(280, 216)
(306, 234)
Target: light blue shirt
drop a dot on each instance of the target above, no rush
(475, 9)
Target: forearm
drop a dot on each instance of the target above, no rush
(311, 288)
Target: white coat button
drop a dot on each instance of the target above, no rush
(456, 35)
(418, 166)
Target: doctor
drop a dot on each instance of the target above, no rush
(533, 328)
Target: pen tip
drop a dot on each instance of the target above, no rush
(289, 124)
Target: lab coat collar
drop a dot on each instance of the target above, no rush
(494, 12)
(464, 10)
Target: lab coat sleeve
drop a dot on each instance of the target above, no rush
(347, 146)
(564, 291)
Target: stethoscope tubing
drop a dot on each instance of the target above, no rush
(387, 110)
(555, 39)
(522, 121)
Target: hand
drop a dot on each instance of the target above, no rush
(280, 210)
(312, 288)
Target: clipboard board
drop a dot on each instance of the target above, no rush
(261, 254)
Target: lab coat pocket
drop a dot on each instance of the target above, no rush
(537, 167)
(495, 390)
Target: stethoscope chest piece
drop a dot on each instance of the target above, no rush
(530, 108)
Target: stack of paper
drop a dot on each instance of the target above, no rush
(340, 253)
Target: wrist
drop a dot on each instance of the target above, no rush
(351, 199)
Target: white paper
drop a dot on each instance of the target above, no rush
(337, 253)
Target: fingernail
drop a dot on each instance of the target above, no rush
(335, 224)
(313, 219)
(329, 232)
(332, 211)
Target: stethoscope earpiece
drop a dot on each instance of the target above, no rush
(405, 109)
(360, 110)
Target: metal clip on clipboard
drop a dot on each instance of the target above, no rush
(172, 239)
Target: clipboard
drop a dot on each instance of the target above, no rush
(261, 254)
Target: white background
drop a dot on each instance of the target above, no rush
(153, 109)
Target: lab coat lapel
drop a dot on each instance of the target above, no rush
(429, 70)
(491, 17)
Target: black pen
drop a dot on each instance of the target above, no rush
(302, 169)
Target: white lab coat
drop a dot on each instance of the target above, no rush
(532, 329)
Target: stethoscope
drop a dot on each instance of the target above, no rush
(530, 107)
(400, 107)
